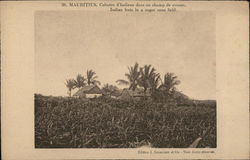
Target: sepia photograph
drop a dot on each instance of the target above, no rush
(125, 80)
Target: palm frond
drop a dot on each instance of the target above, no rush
(79, 81)
(70, 83)
(91, 77)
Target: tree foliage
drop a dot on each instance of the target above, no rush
(167, 90)
(91, 78)
(132, 77)
(145, 77)
(79, 81)
(70, 84)
(148, 77)
(169, 82)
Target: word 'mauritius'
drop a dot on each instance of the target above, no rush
(85, 4)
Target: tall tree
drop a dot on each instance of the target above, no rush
(148, 78)
(132, 77)
(154, 81)
(79, 81)
(169, 83)
(70, 84)
(91, 78)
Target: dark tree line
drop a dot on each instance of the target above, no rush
(147, 78)
(82, 81)
(144, 77)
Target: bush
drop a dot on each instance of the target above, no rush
(109, 123)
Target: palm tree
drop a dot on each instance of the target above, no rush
(169, 83)
(91, 78)
(79, 81)
(148, 78)
(132, 76)
(154, 81)
(70, 85)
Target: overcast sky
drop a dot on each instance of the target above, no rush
(70, 42)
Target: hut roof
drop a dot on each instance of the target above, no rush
(116, 93)
(91, 89)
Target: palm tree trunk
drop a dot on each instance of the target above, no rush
(145, 90)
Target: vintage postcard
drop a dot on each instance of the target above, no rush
(125, 80)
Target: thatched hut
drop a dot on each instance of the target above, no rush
(90, 91)
(138, 93)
